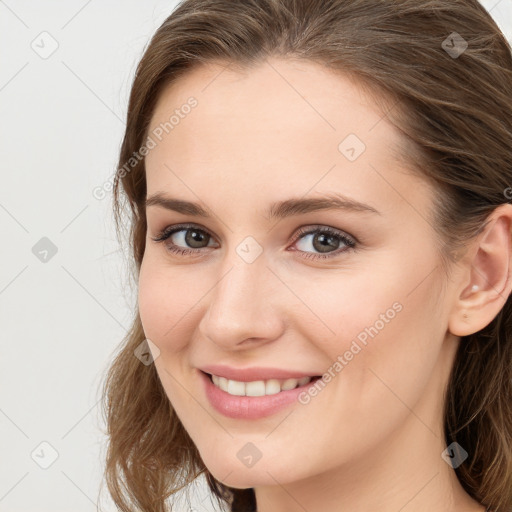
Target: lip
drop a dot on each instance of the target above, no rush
(249, 407)
(253, 373)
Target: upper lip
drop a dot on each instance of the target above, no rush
(253, 373)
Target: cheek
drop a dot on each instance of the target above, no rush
(161, 306)
(401, 359)
(381, 329)
(151, 308)
(355, 308)
(160, 310)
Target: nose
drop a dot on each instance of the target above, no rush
(243, 306)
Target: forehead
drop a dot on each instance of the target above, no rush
(276, 87)
(279, 125)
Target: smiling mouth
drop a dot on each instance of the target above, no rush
(259, 387)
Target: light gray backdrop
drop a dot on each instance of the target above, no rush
(65, 302)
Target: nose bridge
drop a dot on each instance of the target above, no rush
(238, 305)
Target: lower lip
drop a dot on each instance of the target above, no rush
(249, 407)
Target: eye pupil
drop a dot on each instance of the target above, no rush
(193, 237)
(322, 237)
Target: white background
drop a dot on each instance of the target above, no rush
(61, 321)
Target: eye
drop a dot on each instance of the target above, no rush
(323, 239)
(187, 234)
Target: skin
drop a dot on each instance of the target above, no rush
(372, 438)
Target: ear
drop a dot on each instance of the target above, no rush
(486, 281)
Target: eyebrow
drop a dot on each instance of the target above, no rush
(279, 210)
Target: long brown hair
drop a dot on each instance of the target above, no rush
(453, 106)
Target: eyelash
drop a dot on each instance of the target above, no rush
(351, 242)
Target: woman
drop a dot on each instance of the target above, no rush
(321, 234)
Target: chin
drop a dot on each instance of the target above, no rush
(244, 478)
(235, 474)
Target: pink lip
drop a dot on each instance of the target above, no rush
(253, 374)
(249, 407)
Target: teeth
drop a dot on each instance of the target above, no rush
(259, 387)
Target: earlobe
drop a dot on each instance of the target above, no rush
(487, 281)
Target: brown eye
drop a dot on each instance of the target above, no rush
(184, 239)
(325, 241)
(194, 238)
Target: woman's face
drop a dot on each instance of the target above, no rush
(365, 303)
